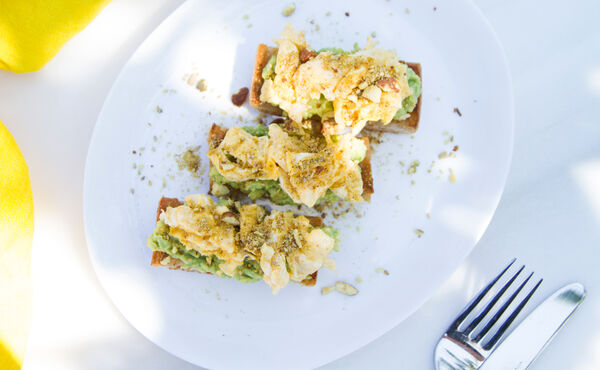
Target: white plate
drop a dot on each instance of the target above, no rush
(220, 323)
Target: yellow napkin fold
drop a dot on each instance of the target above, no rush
(33, 31)
(16, 233)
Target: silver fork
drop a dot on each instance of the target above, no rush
(462, 346)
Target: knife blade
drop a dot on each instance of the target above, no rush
(533, 334)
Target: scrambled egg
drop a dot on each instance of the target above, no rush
(305, 165)
(368, 85)
(242, 156)
(198, 226)
(306, 172)
(293, 251)
(286, 246)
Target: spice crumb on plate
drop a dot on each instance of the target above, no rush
(289, 10)
(413, 167)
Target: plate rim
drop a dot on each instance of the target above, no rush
(374, 334)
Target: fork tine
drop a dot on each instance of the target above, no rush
(478, 299)
(504, 307)
(492, 342)
(492, 303)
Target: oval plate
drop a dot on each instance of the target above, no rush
(155, 111)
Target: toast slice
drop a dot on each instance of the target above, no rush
(159, 259)
(217, 134)
(264, 53)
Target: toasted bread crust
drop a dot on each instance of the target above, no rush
(165, 203)
(217, 134)
(310, 281)
(406, 126)
(365, 171)
(264, 53)
(175, 264)
(158, 257)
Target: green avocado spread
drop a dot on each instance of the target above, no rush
(160, 240)
(340, 51)
(268, 72)
(319, 107)
(249, 272)
(335, 234)
(258, 130)
(254, 188)
(271, 189)
(410, 102)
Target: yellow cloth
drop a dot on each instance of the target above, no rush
(33, 31)
(16, 232)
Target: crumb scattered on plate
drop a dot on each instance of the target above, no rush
(419, 232)
(413, 167)
(190, 160)
(289, 10)
(327, 290)
(451, 176)
(345, 288)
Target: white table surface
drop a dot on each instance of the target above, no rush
(549, 216)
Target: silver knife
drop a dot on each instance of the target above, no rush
(533, 334)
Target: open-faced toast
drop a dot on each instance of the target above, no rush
(161, 259)
(264, 53)
(217, 134)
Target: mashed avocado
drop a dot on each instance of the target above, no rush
(161, 241)
(319, 107)
(410, 102)
(268, 72)
(335, 234)
(340, 51)
(258, 130)
(264, 188)
(255, 188)
(249, 272)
